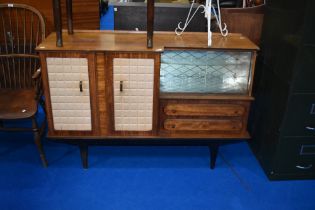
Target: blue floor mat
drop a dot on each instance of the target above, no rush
(137, 177)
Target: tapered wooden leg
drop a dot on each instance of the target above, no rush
(214, 148)
(38, 142)
(84, 155)
(39, 145)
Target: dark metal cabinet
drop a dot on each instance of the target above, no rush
(283, 115)
(296, 156)
(303, 81)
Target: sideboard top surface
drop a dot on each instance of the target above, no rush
(131, 41)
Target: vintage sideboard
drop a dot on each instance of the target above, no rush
(105, 87)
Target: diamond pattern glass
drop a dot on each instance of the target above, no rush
(197, 71)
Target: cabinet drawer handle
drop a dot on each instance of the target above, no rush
(304, 167)
(121, 86)
(310, 128)
(81, 86)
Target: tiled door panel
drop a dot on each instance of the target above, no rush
(133, 94)
(71, 107)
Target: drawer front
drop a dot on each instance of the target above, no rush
(202, 125)
(70, 103)
(296, 155)
(204, 117)
(230, 110)
(300, 117)
(133, 94)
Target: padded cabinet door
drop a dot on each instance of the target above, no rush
(133, 94)
(71, 109)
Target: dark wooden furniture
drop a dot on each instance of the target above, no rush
(85, 13)
(247, 21)
(22, 29)
(108, 87)
(283, 127)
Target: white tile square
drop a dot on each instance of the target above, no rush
(121, 62)
(134, 62)
(146, 62)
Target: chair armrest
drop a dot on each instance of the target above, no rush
(37, 73)
(38, 84)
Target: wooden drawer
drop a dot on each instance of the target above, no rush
(204, 116)
(230, 110)
(203, 125)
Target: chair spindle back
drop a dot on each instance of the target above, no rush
(22, 28)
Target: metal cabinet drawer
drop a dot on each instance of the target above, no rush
(300, 117)
(296, 155)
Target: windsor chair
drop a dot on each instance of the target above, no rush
(22, 28)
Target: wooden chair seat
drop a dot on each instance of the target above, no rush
(17, 104)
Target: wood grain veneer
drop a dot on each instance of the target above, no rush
(136, 41)
(226, 125)
(204, 110)
(203, 117)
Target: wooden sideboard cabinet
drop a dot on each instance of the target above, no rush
(107, 86)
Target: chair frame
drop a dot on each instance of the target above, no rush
(37, 129)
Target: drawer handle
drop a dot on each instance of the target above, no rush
(121, 86)
(81, 86)
(310, 128)
(304, 167)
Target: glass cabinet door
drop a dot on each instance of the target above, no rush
(201, 71)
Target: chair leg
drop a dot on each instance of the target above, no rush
(38, 142)
(42, 104)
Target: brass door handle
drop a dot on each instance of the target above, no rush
(81, 86)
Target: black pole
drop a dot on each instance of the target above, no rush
(57, 20)
(69, 16)
(150, 23)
